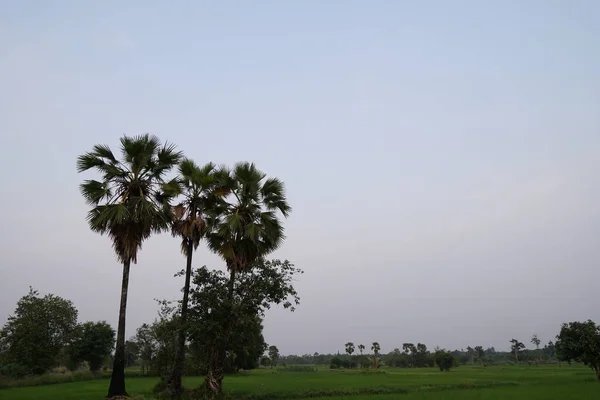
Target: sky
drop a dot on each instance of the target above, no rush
(441, 157)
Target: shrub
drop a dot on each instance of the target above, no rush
(335, 363)
(444, 360)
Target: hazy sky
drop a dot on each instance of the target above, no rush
(441, 157)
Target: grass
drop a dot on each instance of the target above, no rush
(509, 382)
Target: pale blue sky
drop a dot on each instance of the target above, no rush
(441, 157)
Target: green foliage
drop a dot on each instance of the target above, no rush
(580, 341)
(273, 355)
(37, 332)
(255, 290)
(335, 363)
(444, 360)
(375, 347)
(516, 347)
(130, 201)
(93, 343)
(349, 348)
(245, 226)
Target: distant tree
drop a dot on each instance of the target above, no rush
(93, 343)
(480, 353)
(549, 350)
(444, 360)
(361, 348)
(37, 332)
(335, 363)
(535, 340)
(375, 348)
(349, 348)
(132, 352)
(580, 342)
(470, 354)
(515, 347)
(409, 350)
(144, 338)
(265, 361)
(128, 204)
(273, 355)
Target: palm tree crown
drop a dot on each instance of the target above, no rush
(202, 192)
(246, 226)
(128, 201)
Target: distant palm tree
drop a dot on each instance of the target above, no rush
(128, 205)
(349, 348)
(361, 348)
(535, 340)
(243, 229)
(200, 192)
(375, 348)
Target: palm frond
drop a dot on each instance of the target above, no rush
(95, 191)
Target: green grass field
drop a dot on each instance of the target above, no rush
(469, 383)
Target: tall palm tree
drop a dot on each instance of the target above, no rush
(128, 205)
(201, 192)
(244, 228)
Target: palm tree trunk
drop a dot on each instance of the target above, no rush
(117, 379)
(214, 375)
(175, 387)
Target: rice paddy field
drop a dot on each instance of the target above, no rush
(469, 383)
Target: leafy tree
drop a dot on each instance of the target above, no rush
(248, 345)
(200, 192)
(349, 348)
(94, 343)
(444, 360)
(580, 341)
(479, 353)
(132, 352)
(470, 354)
(254, 290)
(549, 350)
(515, 347)
(273, 355)
(144, 337)
(375, 348)
(361, 348)
(535, 340)
(128, 203)
(39, 329)
(244, 228)
(409, 349)
(335, 363)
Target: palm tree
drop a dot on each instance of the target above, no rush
(375, 348)
(361, 348)
(536, 341)
(128, 205)
(200, 191)
(244, 228)
(349, 348)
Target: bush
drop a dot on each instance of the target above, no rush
(13, 371)
(444, 360)
(335, 363)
